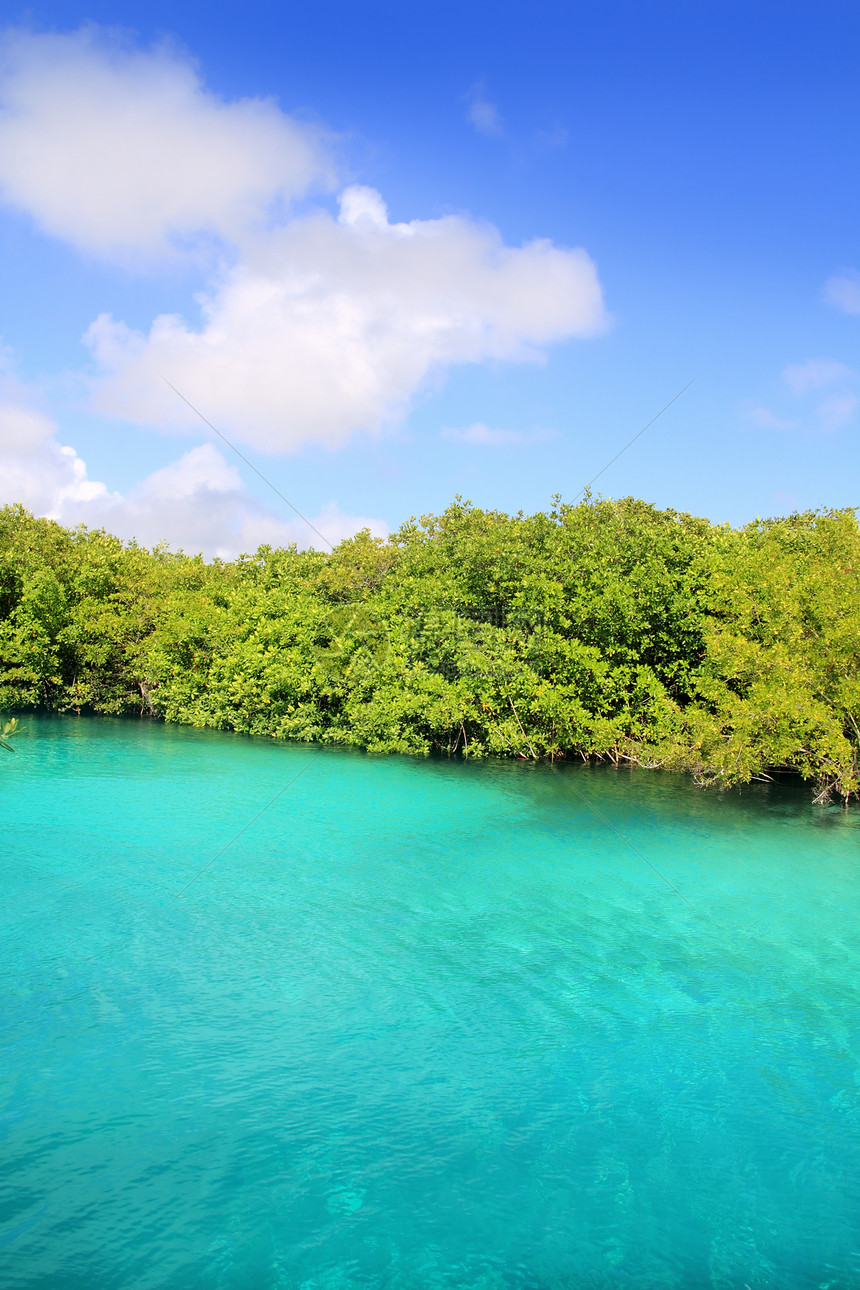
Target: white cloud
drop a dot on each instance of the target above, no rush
(35, 468)
(766, 419)
(483, 114)
(813, 374)
(313, 328)
(836, 411)
(49, 478)
(821, 397)
(838, 407)
(121, 151)
(842, 291)
(480, 435)
(331, 326)
(198, 502)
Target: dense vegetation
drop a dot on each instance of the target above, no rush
(608, 629)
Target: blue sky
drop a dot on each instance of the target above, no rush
(442, 334)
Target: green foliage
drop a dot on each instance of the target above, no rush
(9, 729)
(607, 629)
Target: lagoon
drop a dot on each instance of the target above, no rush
(280, 1016)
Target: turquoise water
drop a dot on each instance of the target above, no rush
(422, 1025)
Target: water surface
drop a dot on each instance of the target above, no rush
(421, 1024)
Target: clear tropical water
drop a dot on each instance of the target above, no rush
(422, 1025)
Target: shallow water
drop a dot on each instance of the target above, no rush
(422, 1024)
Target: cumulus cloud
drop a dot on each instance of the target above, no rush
(842, 291)
(121, 151)
(198, 503)
(313, 327)
(331, 325)
(35, 468)
(483, 436)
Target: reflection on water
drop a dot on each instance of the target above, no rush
(423, 1025)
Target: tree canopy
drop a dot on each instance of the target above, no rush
(607, 629)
